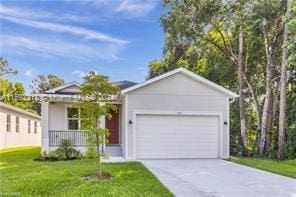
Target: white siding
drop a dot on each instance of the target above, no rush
(57, 116)
(178, 93)
(123, 125)
(21, 138)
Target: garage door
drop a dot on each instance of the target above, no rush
(177, 136)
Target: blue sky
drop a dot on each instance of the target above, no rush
(67, 38)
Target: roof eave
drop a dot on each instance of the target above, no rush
(187, 72)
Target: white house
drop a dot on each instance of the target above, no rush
(18, 127)
(176, 115)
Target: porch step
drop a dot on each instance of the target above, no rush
(113, 151)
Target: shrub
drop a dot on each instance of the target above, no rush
(64, 152)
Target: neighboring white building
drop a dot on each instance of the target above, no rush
(176, 115)
(18, 127)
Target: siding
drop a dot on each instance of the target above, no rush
(21, 138)
(178, 93)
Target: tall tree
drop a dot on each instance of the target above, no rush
(9, 92)
(213, 22)
(45, 82)
(42, 83)
(267, 18)
(4, 67)
(283, 84)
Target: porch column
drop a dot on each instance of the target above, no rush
(45, 127)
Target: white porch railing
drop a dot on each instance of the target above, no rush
(77, 138)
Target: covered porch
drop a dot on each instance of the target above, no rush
(61, 120)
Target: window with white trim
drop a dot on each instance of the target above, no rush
(8, 122)
(73, 118)
(29, 126)
(17, 124)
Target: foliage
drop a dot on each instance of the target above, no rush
(9, 92)
(4, 67)
(202, 36)
(286, 168)
(43, 83)
(65, 152)
(291, 122)
(100, 91)
(21, 176)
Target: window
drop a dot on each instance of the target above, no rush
(73, 116)
(35, 127)
(17, 124)
(29, 126)
(8, 123)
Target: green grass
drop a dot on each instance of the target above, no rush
(21, 176)
(286, 168)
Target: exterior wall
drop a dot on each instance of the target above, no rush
(21, 138)
(57, 114)
(123, 124)
(178, 93)
(54, 117)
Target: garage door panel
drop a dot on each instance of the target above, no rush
(171, 136)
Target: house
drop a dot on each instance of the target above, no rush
(175, 115)
(18, 127)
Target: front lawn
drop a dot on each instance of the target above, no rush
(286, 168)
(21, 176)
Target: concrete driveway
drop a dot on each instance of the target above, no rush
(213, 177)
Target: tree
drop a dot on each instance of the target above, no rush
(267, 18)
(9, 91)
(237, 44)
(101, 91)
(283, 92)
(43, 83)
(212, 22)
(4, 67)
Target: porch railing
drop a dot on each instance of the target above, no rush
(77, 138)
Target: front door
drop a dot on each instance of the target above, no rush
(113, 127)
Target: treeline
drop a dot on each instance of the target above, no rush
(246, 46)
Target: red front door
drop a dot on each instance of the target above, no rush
(113, 127)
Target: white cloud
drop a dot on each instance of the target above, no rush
(52, 48)
(135, 7)
(130, 8)
(28, 73)
(79, 73)
(86, 33)
(35, 14)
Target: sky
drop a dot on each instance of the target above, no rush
(69, 38)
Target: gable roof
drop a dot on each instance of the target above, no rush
(187, 73)
(121, 84)
(54, 90)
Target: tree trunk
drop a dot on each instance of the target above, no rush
(98, 149)
(267, 107)
(270, 122)
(241, 93)
(256, 103)
(283, 99)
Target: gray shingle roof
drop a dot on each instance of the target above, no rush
(124, 84)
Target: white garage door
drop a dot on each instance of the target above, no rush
(177, 136)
